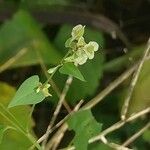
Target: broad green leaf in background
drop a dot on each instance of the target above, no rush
(23, 32)
(71, 69)
(85, 127)
(13, 140)
(140, 98)
(26, 94)
(92, 70)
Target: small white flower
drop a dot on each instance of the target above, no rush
(81, 42)
(43, 89)
(77, 31)
(46, 91)
(90, 48)
(80, 57)
(95, 45)
(81, 50)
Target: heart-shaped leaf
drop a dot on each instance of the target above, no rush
(71, 69)
(27, 94)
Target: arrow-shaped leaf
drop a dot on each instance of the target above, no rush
(27, 94)
(71, 69)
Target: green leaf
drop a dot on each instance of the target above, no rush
(27, 94)
(23, 32)
(12, 139)
(77, 31)
(85, 127)
(71, 69)
(92, 70)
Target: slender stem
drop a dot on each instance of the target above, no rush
(54, 86)
(57, 68)
(67, 54)
(141, 113)
(50, 77)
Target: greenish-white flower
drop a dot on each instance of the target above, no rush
(80, 57)
(81, 51)
(90, 48)
(81, 42)
(77, 31)
(44, 89)
(70, 43)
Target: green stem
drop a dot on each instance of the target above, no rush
(59, 65)
(68, 53)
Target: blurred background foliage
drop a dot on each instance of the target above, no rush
(32, 37)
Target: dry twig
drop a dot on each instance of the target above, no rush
(60, 133)
(136, 135)
(58, 107)
(119, 124)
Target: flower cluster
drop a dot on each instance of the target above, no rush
(80, 50)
